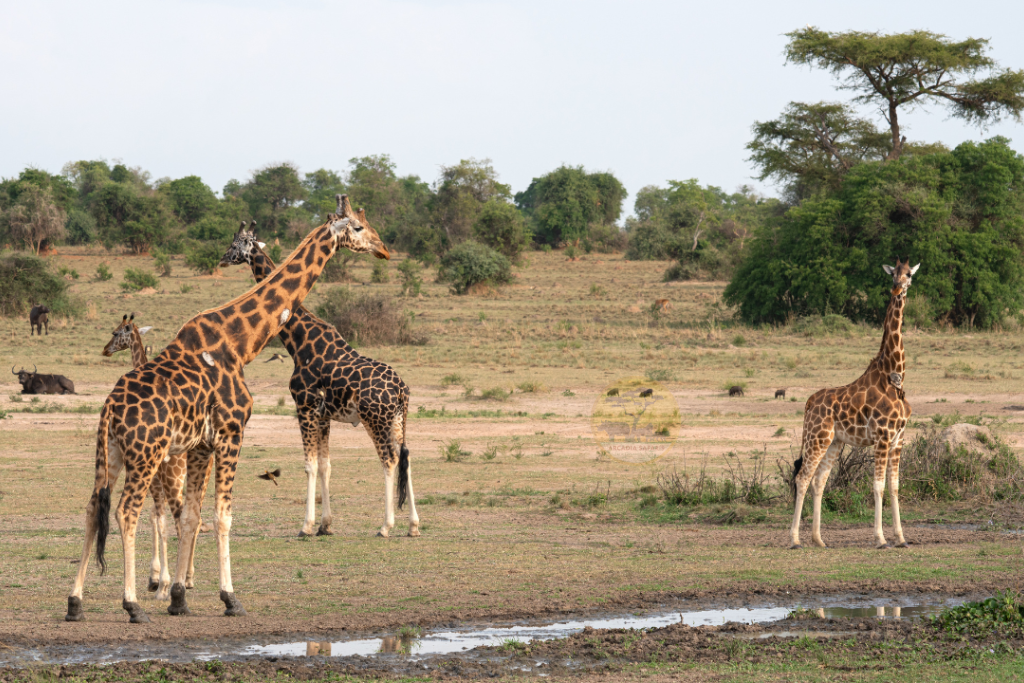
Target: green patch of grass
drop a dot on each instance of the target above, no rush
(1002, 614)
(659, 375)
(453, 379)
(451, 451)
(495, 394)
(531, 387)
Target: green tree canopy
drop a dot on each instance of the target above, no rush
(959, 213)
(269, 194)
(461, 192)
(564, 203)
(396, 207)
(501, 227)
(321, 187)
(190, 198)
(913, 69)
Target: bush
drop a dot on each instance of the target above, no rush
(204, 257)
(80, 227)
(501, 227)
(368, 319)
(139, 236)
(605, 239)
(409, 272)
(103, 273)
(337, 268)
(136, 279)
(472, 263)
(822, 325)
(982, 466)
(162, 261)
(26, 280)
(380, 273)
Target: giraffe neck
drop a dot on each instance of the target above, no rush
(293, 335)
(236, 332)
(138, 348)
(890, 356)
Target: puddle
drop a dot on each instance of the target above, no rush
(459, 641)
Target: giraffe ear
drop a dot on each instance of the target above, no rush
(262, 244)
(914, 269)
(887, 269)
(336, 226)
(144, 330)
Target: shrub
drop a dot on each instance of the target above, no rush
(26, 280)
(409, 272)
(275, 253)
(80, 227)
(67, 273)
(451, 451)
(472, 263)
(605, 239)
(822, 325)
(204, 257)
(501, 227)
(338, 267)
(380, 273)
(162, 261)
(136, 279)
(368, 319)
(985, 467)
(103, 273)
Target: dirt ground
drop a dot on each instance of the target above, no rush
(533, 521)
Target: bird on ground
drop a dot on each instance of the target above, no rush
(276, 356)
(271, 476)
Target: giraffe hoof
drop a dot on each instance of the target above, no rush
(178, 607)
(884, 546)
(134, 610)
(153, 586)
(303, 534)
(796, 546)
(903, 545)
(75, 612)
(381, 534)
(234, 607)
(323, 531)
(414, 532)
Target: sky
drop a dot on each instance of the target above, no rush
(651, 91)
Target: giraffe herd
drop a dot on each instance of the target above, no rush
(171, 422)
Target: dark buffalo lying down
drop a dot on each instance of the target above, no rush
(34, 383)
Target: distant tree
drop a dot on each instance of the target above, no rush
(913, 69)
(461, 192)
(321, 187)
(397, 207)
(61, 189)
(35, 219)
(471, 263)
(812, 146)
(87, 176)
(501, 227)
(232, 188)
(564, 203)
(270, 192)
(80, 227)
(190, 198)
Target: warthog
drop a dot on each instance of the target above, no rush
(780, 392)
(34, 383)
(736, 390)
(37, 318)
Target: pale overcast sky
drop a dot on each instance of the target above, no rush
(651, 91)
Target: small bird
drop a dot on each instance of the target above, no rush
(276, 356)
(271, 476)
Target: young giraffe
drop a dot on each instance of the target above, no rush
(169, 482)
(871, 411)
(193, 399)
(333, 382)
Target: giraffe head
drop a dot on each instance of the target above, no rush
(901, 276)
(353, 232)
(122, 336)
(242, 247)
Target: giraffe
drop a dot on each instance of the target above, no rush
(169, 482)
(193, 399)
(872, 411)
(331, 381)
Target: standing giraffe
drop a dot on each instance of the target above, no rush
(169, 482)
(869, 412)
(193, 399)
(333, 382)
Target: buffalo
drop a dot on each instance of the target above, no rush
(37, 318)
(34, 383)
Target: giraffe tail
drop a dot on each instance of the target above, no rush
(103, 495)
(403, 475)
(797, 466)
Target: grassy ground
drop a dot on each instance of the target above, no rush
(530, 519)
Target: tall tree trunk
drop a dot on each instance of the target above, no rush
(894, 126)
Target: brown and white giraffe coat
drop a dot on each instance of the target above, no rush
(331, 381)
(871, 412)
(194, 394)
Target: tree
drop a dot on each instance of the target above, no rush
(472, 263)
(270, 192)
(321, 187)
(501, 227)
(190, 198)
(912, 69)
(398, 208)
(461, 191)
(564, 203)
(960, 213)
(35, 219)
(812, 146)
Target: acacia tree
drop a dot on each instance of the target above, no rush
(913, 69)
(35, 218)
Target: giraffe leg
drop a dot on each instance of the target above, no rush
(382, 441)
(894, 492)
(324, 464)
(812, 453)
(389, 500)
(206, 456)
(172, 485)
(198, 470)
(115, 463)
(136, 486)
(227, 463)
(159, 562)
(310, 431)
(414, 518)
(881, 460)
(820, 478)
